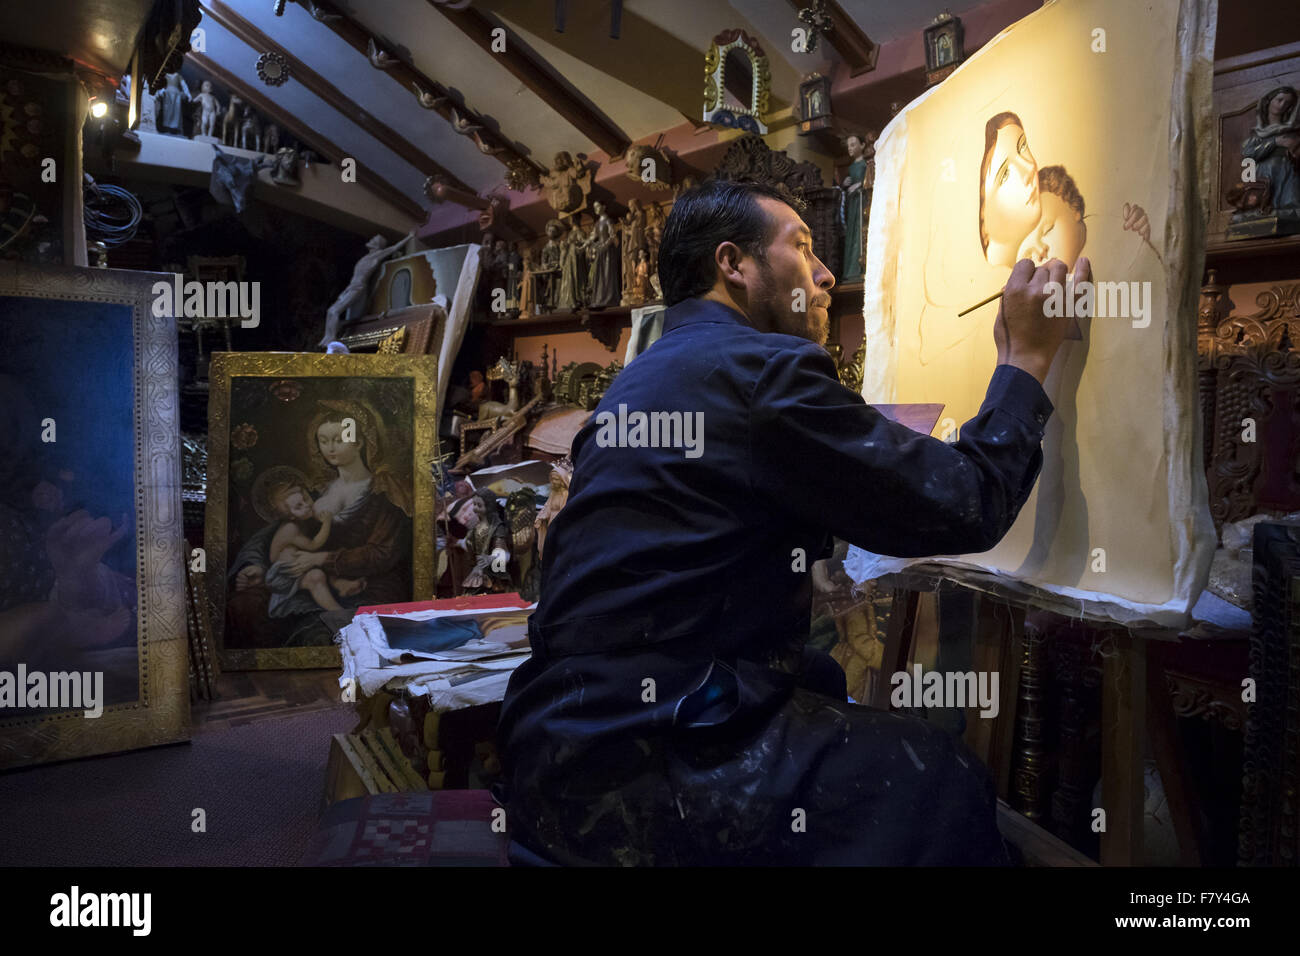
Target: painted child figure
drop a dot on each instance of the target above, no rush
(295, 505)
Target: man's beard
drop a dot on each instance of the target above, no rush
(776, 307)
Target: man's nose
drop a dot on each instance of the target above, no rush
(823, 277)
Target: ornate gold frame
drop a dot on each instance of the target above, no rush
(715, 69)
(161, 713)
(423, 369)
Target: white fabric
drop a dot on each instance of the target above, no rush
(473, 673)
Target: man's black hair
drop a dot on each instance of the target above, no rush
(702, 218)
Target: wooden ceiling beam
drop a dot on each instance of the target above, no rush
(857, 49)
(533, 72)
(377, 184)
(300, 72)
(491, 142)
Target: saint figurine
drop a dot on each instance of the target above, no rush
(527, 287)
(633, 236)
(1274, 145)
(548, 275)
(569, 291)
(856, 186)
(566, 184)
(641, 278)
(606, 271)
(479, 543)
(206, 110)
(514, 273)
(355, 293)
(170, 102)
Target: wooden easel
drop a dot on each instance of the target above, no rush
(1001, 642)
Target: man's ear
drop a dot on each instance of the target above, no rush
(727, 257)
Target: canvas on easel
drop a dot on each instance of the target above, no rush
(1081, 130)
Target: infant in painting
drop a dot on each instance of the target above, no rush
(294, 504)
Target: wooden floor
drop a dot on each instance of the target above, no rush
(246, 696)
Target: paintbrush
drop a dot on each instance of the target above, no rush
(982, 302)
(1072, 333)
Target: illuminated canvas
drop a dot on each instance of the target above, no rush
(1071, 133)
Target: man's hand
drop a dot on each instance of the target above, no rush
(1025, 335)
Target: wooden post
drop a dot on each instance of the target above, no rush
(898, 643)
(1123, 726)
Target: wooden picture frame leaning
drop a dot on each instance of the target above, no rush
(261, 407)
(125, 475)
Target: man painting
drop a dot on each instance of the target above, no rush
(671, 713)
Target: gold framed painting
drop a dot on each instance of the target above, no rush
(92, 588)
(320, 497)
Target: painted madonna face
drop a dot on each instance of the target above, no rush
(1012, 206)
(1061, 234)
(336, 451)
(1279, 107)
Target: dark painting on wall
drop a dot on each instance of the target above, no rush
(92, 639)
(36, 154)
(320, 496)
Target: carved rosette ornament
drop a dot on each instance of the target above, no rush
(521, 175)
(273, 68)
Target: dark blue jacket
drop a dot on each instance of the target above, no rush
(666, 560)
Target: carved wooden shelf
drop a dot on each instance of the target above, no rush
(605, 325)
(1254, 260)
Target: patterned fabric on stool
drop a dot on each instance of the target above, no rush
(435, 828)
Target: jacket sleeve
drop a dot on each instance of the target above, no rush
(820, 452)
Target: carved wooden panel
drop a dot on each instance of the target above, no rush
(1268, 834)
(750, 159)
(1250, 371)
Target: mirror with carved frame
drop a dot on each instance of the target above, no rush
(737, 82)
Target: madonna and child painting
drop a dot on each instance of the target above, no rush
(321, 483)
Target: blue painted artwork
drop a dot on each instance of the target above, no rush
(68, 565)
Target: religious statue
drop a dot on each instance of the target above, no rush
(580, 236)
(548, 273)
(514, 273)
(1271, 204)
(641, 278)
(570, 292)
(358, 287)
(527, 286)
(170, 102)
(606, 272)
(649, 166)
(566, 185)
(285, 170)
(486, 280)
(561, 473)
(249, 131)
(230, 122)
(856, 189)
(654, 238)
(632, 228)
(271, 139)
(477, 388)
(479, 543)
(206, 110)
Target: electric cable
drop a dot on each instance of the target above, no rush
(112, 214)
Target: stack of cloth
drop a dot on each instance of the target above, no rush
(459, 652)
